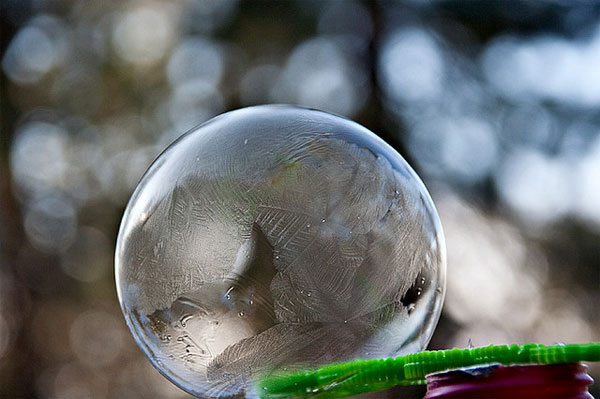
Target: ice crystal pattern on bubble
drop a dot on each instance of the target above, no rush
(277, 237)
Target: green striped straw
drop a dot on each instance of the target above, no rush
(352, 378)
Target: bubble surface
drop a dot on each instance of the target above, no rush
(277, 237)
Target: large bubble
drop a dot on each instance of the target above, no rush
(277, 237)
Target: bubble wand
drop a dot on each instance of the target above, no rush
(361, 376)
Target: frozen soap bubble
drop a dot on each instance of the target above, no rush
(277, 237)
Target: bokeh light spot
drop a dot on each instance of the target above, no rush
(142, 35)
(411, 66)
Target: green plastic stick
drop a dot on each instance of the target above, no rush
(351, 378)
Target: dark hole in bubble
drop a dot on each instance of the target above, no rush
(414, 292)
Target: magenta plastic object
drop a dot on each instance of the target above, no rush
(551, 381)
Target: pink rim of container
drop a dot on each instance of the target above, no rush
(550, 381)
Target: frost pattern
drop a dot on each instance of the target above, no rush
(282, 250)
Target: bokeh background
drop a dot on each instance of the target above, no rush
(496, 104)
